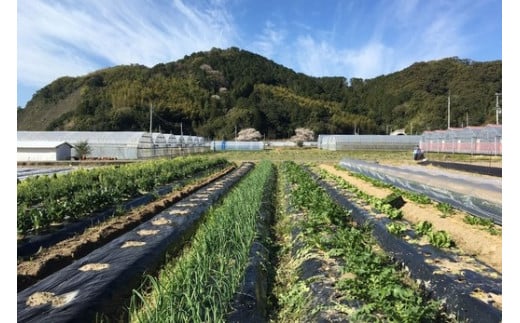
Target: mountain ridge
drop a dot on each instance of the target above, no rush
(212, 93)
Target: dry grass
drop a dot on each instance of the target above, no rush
(333, 157)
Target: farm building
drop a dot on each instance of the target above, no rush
(121, 145)
(367, 142)
(35, 150)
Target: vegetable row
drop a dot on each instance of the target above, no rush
(45, 200)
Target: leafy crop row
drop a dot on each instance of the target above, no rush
(439, 239)
(381, 205)
(370, 287)
(44, 200)
(412, 196)
(487, 224)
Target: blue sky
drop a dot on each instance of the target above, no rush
(350, 38)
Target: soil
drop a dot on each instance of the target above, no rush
(49, 260)
(472, 242)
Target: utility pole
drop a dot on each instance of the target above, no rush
(182, 137)
(151, 109)
(497, 108)
(448, 109)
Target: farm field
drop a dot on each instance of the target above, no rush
(471, 256)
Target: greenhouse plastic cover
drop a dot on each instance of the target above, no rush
(237, 145)
(404, 179)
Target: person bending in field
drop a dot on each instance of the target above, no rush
(418, 153)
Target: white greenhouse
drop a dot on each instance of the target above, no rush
(160, 144)
(171, 140)
(484, 140)
(367, 142)
(110, 145)
(104, 144)
(236, 145)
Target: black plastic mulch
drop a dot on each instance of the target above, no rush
(87, 293)
(32, 244)
(455, 290)
(478, 169)
(250, 303)
(320, 277)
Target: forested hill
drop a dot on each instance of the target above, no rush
(214, 93)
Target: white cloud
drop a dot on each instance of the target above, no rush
(400, 35)
(323, 59)
(372, 60)
(74, 38)
(442, 38)
(269, 41)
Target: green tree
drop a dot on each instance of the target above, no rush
(215, 91)
(83, 149)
